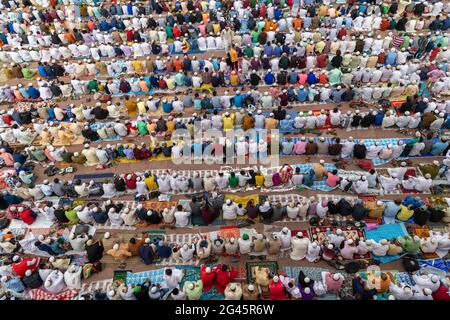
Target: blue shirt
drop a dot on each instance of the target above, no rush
(238, 101)
(302, 95)
(277, 51)
(287, 125)
(390, 211)
(438, 148)
(268, 50)
(269, 78)
(41, 71)
(391, 58)
(311, 79)
(33, 92)
(379, 119)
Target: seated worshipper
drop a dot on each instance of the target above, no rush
(297, 177)
(333, 178)
(389, 184)
(405, 213)
(360, 150)
(266, 211)
(147, 252)
(359, 211)
(423, 184)
(335, 148)
(287, 146)
(361, 186)
(182, 218)
(319, 170)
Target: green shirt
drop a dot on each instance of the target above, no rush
(72, 216)
(248, 51)
(179, 79)
(28, 73)
(142, 127)
(195, 293)
(233, 181)
(255, 36)
(39, 155)
(93, 86)
(261, 25)
(334, 76)
(169, 32)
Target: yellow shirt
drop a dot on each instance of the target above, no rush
(259, 180)
(170, 83)
(170, 126)
(404, 213)
(150, 182)
(228, 122)
(216, 28)
(233, 55)
(234, 80)
(141, 107)
(137, 66)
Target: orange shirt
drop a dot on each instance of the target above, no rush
(91, 25)
(205, 17)
(70, 37)
(297, 23)
(178, 65)
(233, 55)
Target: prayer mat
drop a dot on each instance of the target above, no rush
(96, 285)
(160, 157)
(155, 276)
(39, 294)
(120, 275)
(438, 263)
(228, 232)
(95, 176)
(41, 224)
(387, 231)
(126, 160)
(252, 265)
(158, 205)
(243, 199)
(420, 231)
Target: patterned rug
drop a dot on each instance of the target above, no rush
(250, 265)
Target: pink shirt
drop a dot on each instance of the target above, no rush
(8, 159)
(300, 147)
(333, 285)
(332, 180)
